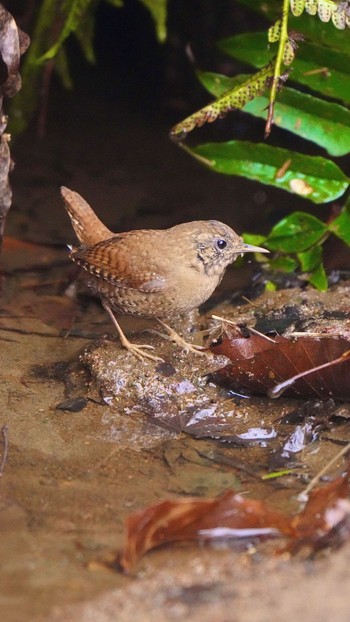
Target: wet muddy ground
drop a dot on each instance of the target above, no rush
(87, 447)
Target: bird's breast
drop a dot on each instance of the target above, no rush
(187, 291)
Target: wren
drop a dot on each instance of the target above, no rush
(152, 273)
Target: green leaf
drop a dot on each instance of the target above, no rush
(158, 10)
(256, 240)
(284, 263)
(340, 226)
(324, 123)
(72, 20)
(310, 259)
(318, 278)
(330, 68)
(296, 233)
(315, 178)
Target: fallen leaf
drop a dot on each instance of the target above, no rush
(325, 521)
(198, 519)
(258, 365)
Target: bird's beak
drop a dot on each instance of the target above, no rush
(249, 248)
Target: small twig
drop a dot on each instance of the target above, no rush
(284, 168)
(298, 334)
(304, 495)
(312, 72)
(279, 388)
(257, 332)
(4, 433)
(222, 319)
(251, 330)
(250, 302)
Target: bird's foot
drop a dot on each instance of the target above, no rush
(135, 349)
(138, 350)
(172, 335)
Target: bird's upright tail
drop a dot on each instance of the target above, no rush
(87, 226)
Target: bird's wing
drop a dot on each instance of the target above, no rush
(123, 262)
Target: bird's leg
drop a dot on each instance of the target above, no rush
(135, 349)
(180, 341)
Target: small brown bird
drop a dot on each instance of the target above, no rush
(152, 273)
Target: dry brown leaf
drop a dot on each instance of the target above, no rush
(258, 365)
(197, 519)
(324, 521)
(325, 509)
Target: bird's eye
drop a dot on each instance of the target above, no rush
(220, 244)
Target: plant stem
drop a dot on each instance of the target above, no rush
(277, 71)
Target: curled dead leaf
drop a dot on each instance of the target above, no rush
(197, 519)
(324, 521)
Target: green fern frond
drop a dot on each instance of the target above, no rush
(337, 11)
(235, 98)
(274, 32)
